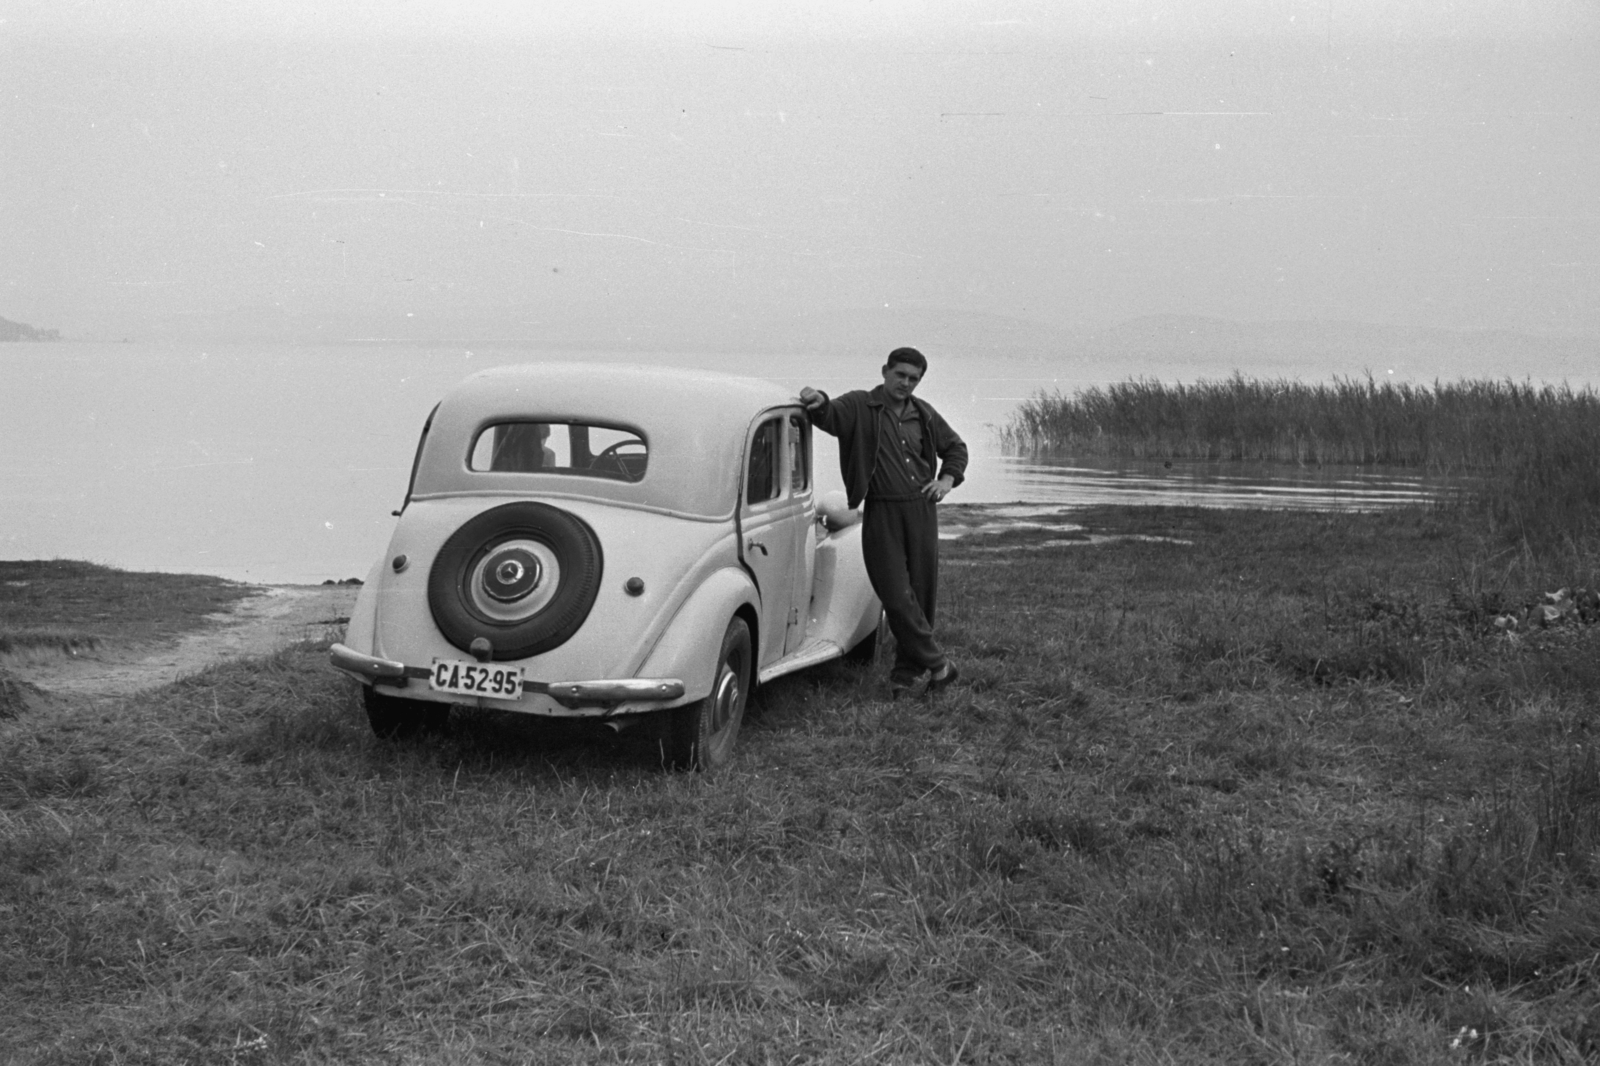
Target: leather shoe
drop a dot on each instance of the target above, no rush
(944, 680)
(901, 687)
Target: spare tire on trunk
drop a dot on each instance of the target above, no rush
(522, 576)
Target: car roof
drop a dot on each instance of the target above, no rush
(694, 423)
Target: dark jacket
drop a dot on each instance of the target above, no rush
(853, 418)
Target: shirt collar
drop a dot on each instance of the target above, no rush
(878, 398)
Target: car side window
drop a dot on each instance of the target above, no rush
(764, 481)
(799, 454)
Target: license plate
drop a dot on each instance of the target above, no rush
(476, 679)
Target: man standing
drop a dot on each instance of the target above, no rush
(890, 443)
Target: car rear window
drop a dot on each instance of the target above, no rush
(579, 448)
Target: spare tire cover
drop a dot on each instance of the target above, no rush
(521, 575)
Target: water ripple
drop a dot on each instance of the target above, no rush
(1233, 485)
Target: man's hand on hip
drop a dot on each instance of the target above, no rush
(938, 489)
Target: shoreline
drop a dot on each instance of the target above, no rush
(274, 618)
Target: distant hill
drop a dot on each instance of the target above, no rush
(1166, 347)
(620, 326)
(1309, 349)
(21, 331)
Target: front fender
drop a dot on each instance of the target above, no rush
(844, 609)
(689, 646)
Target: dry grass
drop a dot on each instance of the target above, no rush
(1464, 425)
(1282, 795)
(61, 605)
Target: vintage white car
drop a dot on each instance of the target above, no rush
(633, 544)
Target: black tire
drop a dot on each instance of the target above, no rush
(866, 649)
(397, 718)
(701, 736)
(556, 562)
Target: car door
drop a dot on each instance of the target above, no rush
(773, 525)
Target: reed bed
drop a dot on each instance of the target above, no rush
(1479, 426)
(1532, 452)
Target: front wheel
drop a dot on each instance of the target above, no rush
(394, 718)
(701, 735)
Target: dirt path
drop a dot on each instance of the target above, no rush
(260, 625)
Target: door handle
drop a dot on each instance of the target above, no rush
(755, 545)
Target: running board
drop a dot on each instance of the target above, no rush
(810, 653)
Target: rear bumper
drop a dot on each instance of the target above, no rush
(601, 696)
(370, 668)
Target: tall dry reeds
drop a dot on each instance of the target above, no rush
(1465, 426)
(1533, 451)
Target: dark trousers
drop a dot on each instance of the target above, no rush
(900, 542)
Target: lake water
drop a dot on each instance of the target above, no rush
(283, 464)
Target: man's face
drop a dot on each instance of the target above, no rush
(900, 381)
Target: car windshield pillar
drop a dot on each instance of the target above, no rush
(416, 459)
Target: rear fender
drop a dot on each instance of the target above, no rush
(363, 624)
(689, 646)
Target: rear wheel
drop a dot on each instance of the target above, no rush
(395, 718)
(701, 736)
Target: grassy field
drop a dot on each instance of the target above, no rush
(69, 606)
(1277, 789)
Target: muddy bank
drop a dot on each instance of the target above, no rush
(258, 625)
(974, 523)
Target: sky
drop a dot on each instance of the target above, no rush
(1427, 163)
